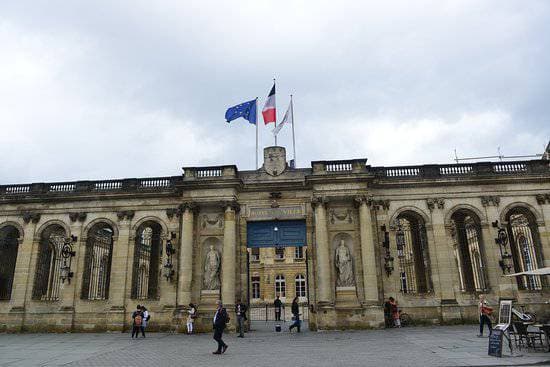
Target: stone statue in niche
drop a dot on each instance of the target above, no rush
(344, 266)
(212, 269)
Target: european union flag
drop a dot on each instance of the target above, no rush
(245, 110)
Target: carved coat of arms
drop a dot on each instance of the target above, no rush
(274, 160)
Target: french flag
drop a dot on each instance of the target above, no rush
(269, 111)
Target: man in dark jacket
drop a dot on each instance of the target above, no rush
(277, 304)
(240, 311)
(220, 319)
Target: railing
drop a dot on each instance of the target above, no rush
(457, 169)
(209, 172)
(267, 313)
(510, 167)
(339, 166)
(17, 189)
(107, 185)
(154, 182)
(402, 171)
(61, 187)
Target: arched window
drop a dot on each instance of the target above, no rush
(525, 246)
(47, 279)
(280, 286)
(9, 244)
(97, 265)
(146, 261)
(256, 287)
(300, 286)
(468, 249)
(412, 251)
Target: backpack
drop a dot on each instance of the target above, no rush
(137, 320)
(148, 316)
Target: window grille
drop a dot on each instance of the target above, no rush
(255, 254)
(280, 286)
(525, 248)
(300, 285)
(9, 245)
(468, 251)
(47, 279)
(146, 261)
(412, 252)
(97, 264)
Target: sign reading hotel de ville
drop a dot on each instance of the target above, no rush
(283, 212)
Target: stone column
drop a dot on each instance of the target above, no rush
(368, 251)
(185, 262)
(443, 259)
(24, 273)
(229, 254)
(324, 288)
(544, 230)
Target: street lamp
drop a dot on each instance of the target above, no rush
(67, 253)
(168, 269)
(388, 259)
(501, 240)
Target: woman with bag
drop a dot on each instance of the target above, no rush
(191, 318)
(484, 312)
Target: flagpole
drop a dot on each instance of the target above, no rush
(275, 111)
(293, 137)
(256, 133)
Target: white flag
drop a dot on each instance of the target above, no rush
(287, 119)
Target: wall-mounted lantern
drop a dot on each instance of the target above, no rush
(168, 269)
(67, 254)
(501, 240)
(388, 259)
(400, 241)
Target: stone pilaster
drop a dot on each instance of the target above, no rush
(185, 262)
(444, 257)
(324, 287)
(368, 251)
(229, 254)
(24, 273)
(544, 230)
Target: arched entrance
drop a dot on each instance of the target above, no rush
(277, 268)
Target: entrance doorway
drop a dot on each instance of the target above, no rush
(277, 268)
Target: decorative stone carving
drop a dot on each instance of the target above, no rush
(345, 216)
(490, 200)
(433, 202)
(188, 205)
(385, 204)
(30, 216)
(125, 214)
(81, 217)
(172, 212)
(363, 199)
(211, 279)
(344, 266)
(231, 204)
(274, 160)
(208, 222)
(543, 199)
(318, 200)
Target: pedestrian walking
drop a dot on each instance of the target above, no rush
(240, 311)
(277, 304)
(137, 319)
(192, 315)
(395, 312)
(484, 312)
(145, 321)
(220, 319)
(295, 309)
(388, 321)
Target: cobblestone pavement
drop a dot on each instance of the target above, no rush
(421, 346)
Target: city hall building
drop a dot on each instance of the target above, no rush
(342, 236)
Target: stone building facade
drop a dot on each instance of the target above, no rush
(80, 255)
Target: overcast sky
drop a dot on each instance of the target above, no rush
(95, 90)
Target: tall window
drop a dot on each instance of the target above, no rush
(525, 246)
(9, 244)
(146, 261)
(47, 280)
(300, 285)
(256, 287)
(280, 286)
(466, 233)
(279, 253)
(299, 252)
(412, 251)
(97, 264)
